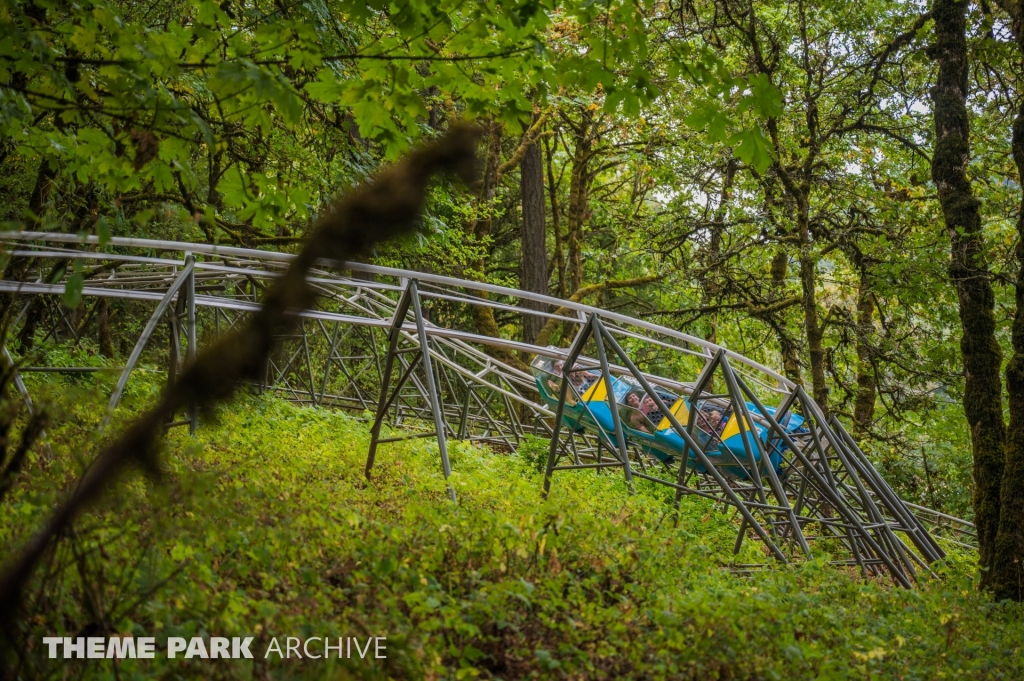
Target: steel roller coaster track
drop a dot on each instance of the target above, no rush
(398, 344)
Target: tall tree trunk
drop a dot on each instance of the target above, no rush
(1008, 559)
(864, 405)
(41, 191)
(534, 277)
(17, 267)
(722, 211)
(556, 219)
(711, 283)
(480, 230)
(787, 347)
(968, 271)
(27, 335)
(103, 324)
(812, 328)
(579, 189)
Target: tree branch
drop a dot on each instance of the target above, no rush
(552, 324)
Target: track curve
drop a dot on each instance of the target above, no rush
(361, 349)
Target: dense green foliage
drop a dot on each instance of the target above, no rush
(264, 525)
(243, 118)
(756, 176)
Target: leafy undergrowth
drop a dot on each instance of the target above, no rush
(263, 525)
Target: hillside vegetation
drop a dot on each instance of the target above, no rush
(263, 525)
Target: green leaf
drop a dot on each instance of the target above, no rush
(103, 231)
(326, 88)
(709, 116)
(765, 99)
(73, 290)
(753, 148)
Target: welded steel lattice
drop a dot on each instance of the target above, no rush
(623, 394)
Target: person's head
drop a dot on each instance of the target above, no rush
(633, 400)
(557, 367)
(714, 417)
(648, 403)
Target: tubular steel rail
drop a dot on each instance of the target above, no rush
(399, 345)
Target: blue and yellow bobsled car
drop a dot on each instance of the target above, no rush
(716, 427)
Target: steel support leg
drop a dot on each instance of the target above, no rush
(620, 435)
(191, 348)
(563, 393)
(410, 298)
(147, 333)
(733, 498)
(736, 390)
(433, 397)
(394, 335)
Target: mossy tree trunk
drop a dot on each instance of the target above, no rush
(710, 282)
(1007, 579)
(480, 231)
(788, 347)
(864, 405)
(103, 325)
(534, 273)
(558, 259)
(813, 330)
(968, 272)
(579, 198)
(1008, 560)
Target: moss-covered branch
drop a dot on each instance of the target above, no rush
(549, 328)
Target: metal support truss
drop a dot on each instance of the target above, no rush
(836, 489)
(185, 277)
(369, 348)
(410, 297)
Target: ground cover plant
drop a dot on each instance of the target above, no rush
(263, 525)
